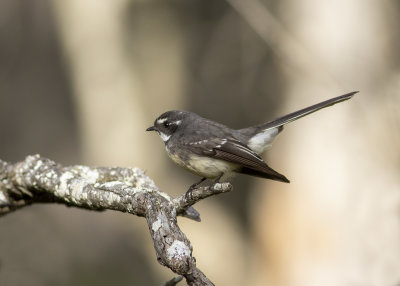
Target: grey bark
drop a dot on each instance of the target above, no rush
(40, 180)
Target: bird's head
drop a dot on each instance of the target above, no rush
(167, 123)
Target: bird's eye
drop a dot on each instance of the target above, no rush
(167, 124)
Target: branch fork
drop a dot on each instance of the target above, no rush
(40, 180)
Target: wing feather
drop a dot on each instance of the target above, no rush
(232, 150)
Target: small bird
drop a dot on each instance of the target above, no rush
(212, 150)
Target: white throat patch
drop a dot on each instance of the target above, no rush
(164, 137)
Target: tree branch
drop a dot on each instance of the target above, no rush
(40, 180)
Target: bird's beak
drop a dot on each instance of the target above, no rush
(151, 128)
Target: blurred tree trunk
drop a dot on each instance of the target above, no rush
(93, 37)
(112, 73)
(340, 223)
(115, 96)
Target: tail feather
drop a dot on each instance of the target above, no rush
(305, 111)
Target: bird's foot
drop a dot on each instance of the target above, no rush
(216, 182)
(189, 195)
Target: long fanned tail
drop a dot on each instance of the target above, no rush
(305, 111)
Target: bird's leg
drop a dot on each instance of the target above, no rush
(196, 184)
(188, 194)
(216, 181)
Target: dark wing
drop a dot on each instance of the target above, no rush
(234, 151)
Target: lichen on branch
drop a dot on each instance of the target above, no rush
(130, 190)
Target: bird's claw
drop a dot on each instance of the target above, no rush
(189, 193)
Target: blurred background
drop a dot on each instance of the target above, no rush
(80, 81)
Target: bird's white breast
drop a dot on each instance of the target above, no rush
(209, 167)
(203, 166)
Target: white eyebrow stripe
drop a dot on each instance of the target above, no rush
(177, 122)
(162, 120)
